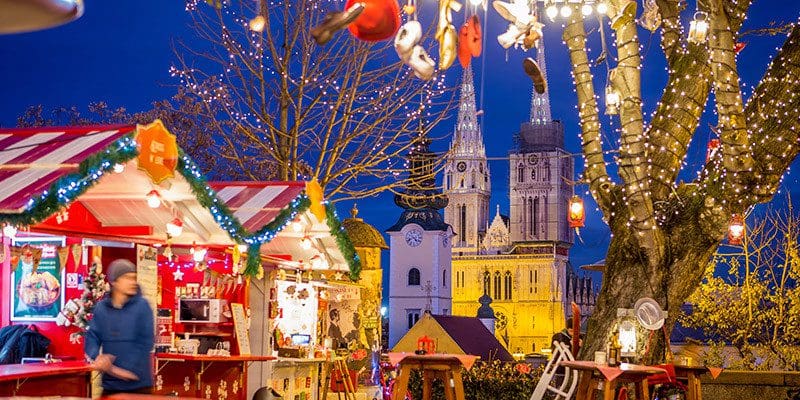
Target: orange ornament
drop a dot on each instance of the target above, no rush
(158, 151)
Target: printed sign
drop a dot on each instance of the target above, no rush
(38, 294)
(72, 280)
(240, 325)
(147, 274)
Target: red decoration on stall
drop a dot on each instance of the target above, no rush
(158, 151)
(426, 344)
(380, 20)
(713, 147)
(577, 215)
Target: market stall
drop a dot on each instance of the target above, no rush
(77, 198)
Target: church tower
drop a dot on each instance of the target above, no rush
(466, 176)
(540, 174)
(419, 252)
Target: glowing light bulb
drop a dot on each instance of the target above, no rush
(257, 23)
(153, 199)
(476, 2)
(586, 10)
(602, 8)
(175, 227)
(305, 243)
(199, 254)
(551, 11)
(119, 168)
(10, 231)
(242, 248)
(566, 11)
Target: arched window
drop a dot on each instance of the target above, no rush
(444, 278)
(520, 174)
(508, 285)
(487, 282)
(413, 277)
(536, 217)
(497, 286)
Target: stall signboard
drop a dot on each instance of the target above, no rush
(298, 309)
(240, 325)
(38, 290)
(147, 274)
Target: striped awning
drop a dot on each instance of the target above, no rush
(32, 159)
(256, 204)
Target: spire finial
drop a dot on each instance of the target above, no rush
(498, 209)
(540, 103)
(354, 211)
(468, 139)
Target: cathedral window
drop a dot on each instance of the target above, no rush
(487, 283)
(535, 280)
(520, 174)
(444, 278)
(463, 224)
(413, 316)
(497, 286)
(536, 217)
(533, 174)
(413, 277)
(508, 286)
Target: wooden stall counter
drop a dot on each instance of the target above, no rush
(592, 374)
(203, 376)
(68, 378)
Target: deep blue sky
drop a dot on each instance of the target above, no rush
(120, 51)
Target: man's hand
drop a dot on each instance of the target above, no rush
(103, 362)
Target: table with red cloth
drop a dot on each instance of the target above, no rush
(203, 376)
(446, 367)
(592, 375)
(67, 378)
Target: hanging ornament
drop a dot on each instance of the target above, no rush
(175, 227)
(713, 147)
(612, 100)
(379, 20)
(698, 28)
(651, 18)
(577, 215)
(178, 275)
(153, 199)
(736, 230)
(739, 46)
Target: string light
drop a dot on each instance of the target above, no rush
(602, 8)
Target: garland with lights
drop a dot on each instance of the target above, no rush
(68, 188)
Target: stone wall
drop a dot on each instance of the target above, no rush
(746, 385)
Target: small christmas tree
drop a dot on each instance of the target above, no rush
(78, 312)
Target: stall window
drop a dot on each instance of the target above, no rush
(413, 277)
(413, 317)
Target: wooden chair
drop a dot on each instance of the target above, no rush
(566, 389)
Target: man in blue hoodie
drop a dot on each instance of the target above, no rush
(122, 325)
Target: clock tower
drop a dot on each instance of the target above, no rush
(419, 255)
(466, 176)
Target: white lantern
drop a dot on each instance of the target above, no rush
(153, 199)
(627, 339)
(612, 101)
(698, 28)
(305, 243)
(175, 227)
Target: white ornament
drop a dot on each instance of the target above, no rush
(178, 275)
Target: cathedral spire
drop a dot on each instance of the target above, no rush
(540, 103)
(468, 139)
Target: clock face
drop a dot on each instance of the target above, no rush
(414, 237)
(533, 159)
(462, 166)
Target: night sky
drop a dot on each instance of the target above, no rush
(120, 52)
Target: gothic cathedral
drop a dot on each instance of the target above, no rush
(521, 260)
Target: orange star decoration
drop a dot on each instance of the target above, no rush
(314, 192)
(158, 151)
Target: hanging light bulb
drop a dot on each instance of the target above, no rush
(10, 231)
(242, 248)
(577, 215)
(612, 101)
(566, 11)
(551, 11)
(119, 168)
(153, 199)
(698, 28)
(305, 243)
(476, 3)
(736, 230)
(175, 227)
(297, 226)
(602, 7)
(257, 24)
(586, 9)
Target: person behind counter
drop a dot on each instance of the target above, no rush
(122, 326)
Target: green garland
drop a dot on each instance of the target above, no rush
(69, 187)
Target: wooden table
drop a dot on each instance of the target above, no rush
(592, 375)
(219, 374)
(68, 378)
(433, 366)
(692, 375)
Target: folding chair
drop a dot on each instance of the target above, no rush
(568, 385)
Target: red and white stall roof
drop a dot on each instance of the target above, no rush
(63, 180)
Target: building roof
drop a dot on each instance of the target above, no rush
(361, 233)
(473, 337)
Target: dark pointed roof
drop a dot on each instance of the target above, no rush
(473, 337)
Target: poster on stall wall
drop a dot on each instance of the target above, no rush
(344, 319)
(37, 295)
(147, 275)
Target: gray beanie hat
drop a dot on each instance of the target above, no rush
(118, 268)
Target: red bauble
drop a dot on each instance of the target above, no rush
(380, 20)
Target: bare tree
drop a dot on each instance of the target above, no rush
(665, 231)
(754, 302)
(344, 113)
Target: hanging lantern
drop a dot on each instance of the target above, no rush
(612, 101)
(153, 199)
(175, 227)
(305, 243)
(698, 28)
(736, 230)
(577, 215)
(713, 147)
